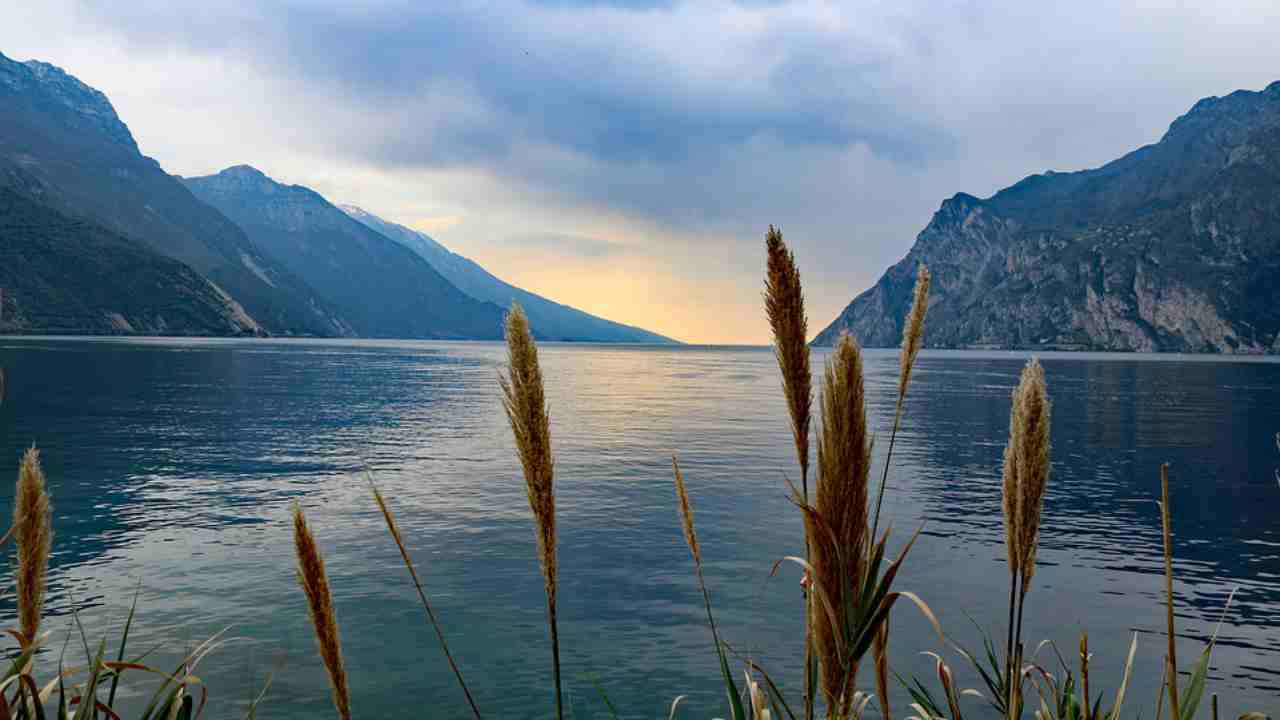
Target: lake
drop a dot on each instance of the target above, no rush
(173, 464)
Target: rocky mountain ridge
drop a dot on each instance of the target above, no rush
(1173, 247)
(63, 146)
(383, 288)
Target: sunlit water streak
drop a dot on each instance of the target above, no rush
(173, 464)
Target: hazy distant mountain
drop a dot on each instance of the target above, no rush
(1175, 246)
(548, 319)
(62, 145)
(67, 276)
(382, 287)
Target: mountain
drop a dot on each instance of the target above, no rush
(549, 319)
(1173, 247)
(67, 276)
(63, 145)
(382, 287)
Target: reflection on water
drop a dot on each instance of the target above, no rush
(173, 464)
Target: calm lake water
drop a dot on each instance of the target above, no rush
(173, 465)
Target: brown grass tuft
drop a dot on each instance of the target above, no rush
(33, 536)
(784, 306)
(315, 583)
(524, 400)
(837, 531)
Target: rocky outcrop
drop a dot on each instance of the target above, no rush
(1174, 247)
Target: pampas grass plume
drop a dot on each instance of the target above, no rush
(315, 583)
(33, 536)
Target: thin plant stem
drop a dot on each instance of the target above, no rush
(884, 477)
(422, 595)
(1168, 586)
(808, 607)
(1164, 680)
(1008, 654)
(555, 652)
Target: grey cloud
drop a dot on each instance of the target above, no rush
(570, 244)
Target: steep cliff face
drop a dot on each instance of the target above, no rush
(63, 146)
(67, 276)
(1173, 247)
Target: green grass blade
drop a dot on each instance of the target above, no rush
(124, 641)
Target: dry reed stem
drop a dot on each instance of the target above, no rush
(784, 306)
(1084, 675)
(912, 339)
(315, 583)
(1167, 523)
(1025, 477)
(838, 537)
(524, 400)
(33, 537)
(691, 538)
(881, 651)
(394, 529)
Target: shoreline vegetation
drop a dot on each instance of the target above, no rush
(850, 561)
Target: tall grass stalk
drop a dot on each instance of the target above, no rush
(837, 529)
(1167, 534)
(784, 308)
(1025, 476)
(394, 529)
(315, 583)
(524, 400)
(691, 539)
(912, 340)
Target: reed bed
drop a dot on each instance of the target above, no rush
(849, 576)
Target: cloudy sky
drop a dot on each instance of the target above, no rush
(627, 157)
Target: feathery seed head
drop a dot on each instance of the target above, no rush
(1009, 499)
(33, 537)
(315, 584)
(784, 306)
(1033, 461)
(524, 400)
(1026, 469)
(686, 515)
(837, 526)
(913, 330)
